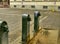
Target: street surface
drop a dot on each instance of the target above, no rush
(48, 19)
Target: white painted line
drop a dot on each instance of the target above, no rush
(17, 40)
(43, 19)
(32, 22)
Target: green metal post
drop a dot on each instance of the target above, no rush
(3, 32)
(25, 28)
(36, 20)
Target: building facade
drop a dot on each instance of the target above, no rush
(36, 4)
(31, 4)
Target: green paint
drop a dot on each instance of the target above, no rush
(3, 32)
(36, 21)
(25, 27)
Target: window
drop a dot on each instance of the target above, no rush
(45, 7)
(14, 0)
(14, 5)
(33, 6)
(23, 6)
(58, 7)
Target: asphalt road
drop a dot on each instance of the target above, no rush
(48, 19)
(52, 20)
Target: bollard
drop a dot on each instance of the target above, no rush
(36, 21)
(25, 28)
(3, 32)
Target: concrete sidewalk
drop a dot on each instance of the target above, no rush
(45, 37)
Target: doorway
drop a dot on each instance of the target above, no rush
(4, 3)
